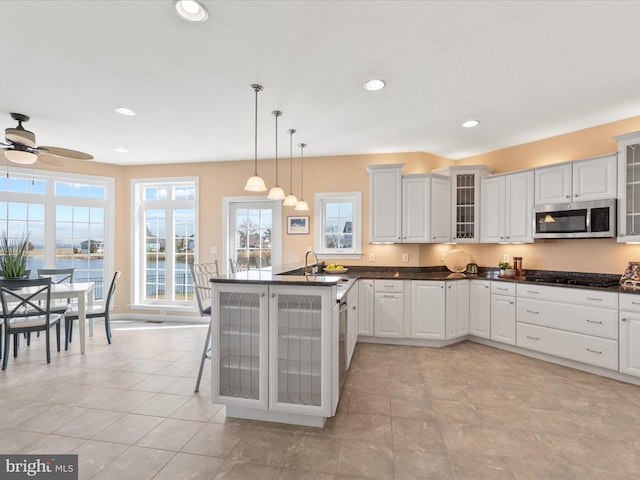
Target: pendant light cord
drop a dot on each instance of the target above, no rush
(276, 113)
(256, 88)
(291, 132)
(302, 145)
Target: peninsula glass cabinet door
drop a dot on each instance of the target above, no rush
(300, 349)
(239, 343)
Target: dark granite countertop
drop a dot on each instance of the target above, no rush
(295, 276)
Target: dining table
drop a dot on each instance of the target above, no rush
(82, 292)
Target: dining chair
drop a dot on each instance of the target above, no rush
(202, 273)
(95, 311)
(27, 311)
(57, 275)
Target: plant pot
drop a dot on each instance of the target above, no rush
(510, 272)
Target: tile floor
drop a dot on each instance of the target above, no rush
(463, 412)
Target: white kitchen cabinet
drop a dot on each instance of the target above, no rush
(503, 312)
(465, 200)
(629, 187)
(507, 208)
(428, 310)
(388, 315)
(629, 334)
(365, 307)
(240, 342)
(582, 180)
(352, 323)
(457, 309)
(385, 203)
(480, 308)
(275, 351)
(425, 209)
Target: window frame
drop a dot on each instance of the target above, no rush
(320, 200)
(276, 228)
(138, 238)
(51, 201)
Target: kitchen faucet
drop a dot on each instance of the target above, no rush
(306, 262)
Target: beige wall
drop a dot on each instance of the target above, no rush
(348, 173)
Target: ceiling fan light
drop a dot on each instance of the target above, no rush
(290, 201)
(276, 193)
(191, 11)
(255, 184)
(20, 156)
(302, 206)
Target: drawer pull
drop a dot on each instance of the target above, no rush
(533, 338)
(594, 321)
(533, 291)
(635, 303)
(504, 289)
(595, 299)
(388, 286)
(531, 311)
(389, 296)
(594, 351)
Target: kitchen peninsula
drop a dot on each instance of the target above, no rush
(278, 339)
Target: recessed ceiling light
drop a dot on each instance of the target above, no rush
(125, 111)
(375, 84)
(471, 123)
(191, 11)
(122, 150)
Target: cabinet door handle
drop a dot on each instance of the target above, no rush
(568, 196)
(273, 295)
(594, 351)
(510, 303)
(594, 321)
(533, 291)
(486, 286)
(533, 338)
(623, 319)
(537, 313)
(353, 308)
(594, 299)
(575, 195)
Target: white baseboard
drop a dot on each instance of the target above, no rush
(159, 318)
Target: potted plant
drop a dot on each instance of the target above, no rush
(504, 266)
(13, 256)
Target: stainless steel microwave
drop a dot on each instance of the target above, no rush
(595, 219)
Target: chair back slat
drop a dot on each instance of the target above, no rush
(202, 273)
(57, 275)
(19, 304)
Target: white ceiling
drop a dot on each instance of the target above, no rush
(526, 70)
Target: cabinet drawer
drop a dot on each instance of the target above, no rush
(630, 302)
(389, 285)
(576, 296)
(600, 322)
(601, 352)
(503, 288)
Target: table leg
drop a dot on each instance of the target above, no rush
(82, 320)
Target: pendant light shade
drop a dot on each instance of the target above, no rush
(302, 205)
(291, 200)
(255, 182)
(276, 193)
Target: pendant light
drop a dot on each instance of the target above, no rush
(291, 200)
(276, 193)
(302, 205)
(256, 183)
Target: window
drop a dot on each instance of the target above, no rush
(337, 224)
(252, 234)
(164, 241)
(66, 220)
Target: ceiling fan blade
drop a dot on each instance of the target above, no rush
(50, 160)
(65, 152)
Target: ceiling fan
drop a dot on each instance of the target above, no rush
(20, 147)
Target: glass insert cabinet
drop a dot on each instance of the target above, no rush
(275, 351)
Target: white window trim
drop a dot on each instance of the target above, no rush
(276, 231)
(137, 260)
(50, 201)
(354, 253)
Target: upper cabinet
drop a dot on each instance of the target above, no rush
(385, 203)
(408, 208)
(507, 208)
(425, 209)
(629, 187)
(465, 198)
(582, 180)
